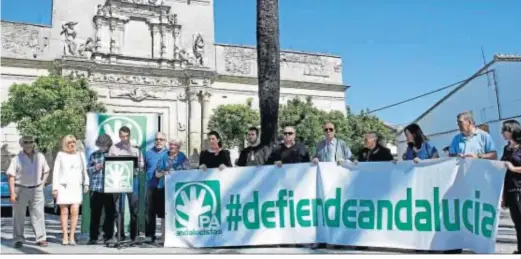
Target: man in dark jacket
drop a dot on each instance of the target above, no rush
(254, 154)
(373, 151)
(289, 152)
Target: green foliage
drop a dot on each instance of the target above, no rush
(50, 108)
(309, 120)
(361, 124)
(232, 122)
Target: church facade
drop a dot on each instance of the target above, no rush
(155, 57)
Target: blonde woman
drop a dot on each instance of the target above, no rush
(70, 180)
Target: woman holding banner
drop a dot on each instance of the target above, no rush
(512, 186)
(215, 156)
(418, 146)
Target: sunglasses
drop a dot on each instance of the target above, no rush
(288, 133)
(160, 139)
(28, 142)
(329, 130)
(71, 142)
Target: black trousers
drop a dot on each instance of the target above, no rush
(98, 202)
(155, 209)
(133, 203)
(513, 201)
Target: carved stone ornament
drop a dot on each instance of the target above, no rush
(181, 96)
(21, 40)
(144, 2)
(198, 50)
(72, 46)
(68, 31)
(313, 65)
(137, 95)
(181, 126)
(132, 79)
(206, 96)
(75, 74)
(239, 60)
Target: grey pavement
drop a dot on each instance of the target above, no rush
(506, 244)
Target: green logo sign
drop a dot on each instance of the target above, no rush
(197, 208)
(110, 124)
(118, 176)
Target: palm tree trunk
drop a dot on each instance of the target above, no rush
(268, 64)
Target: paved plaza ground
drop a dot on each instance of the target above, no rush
(505, 244)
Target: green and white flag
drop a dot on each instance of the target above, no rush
(143, 128)
(434, 205)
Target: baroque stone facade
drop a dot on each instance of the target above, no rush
(150, 56)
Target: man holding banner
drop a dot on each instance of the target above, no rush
(124, 148)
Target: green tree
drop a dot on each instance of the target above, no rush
(50, 108)
(360, 124)
(308, 121)
(232, 122)
(306, 118)
(268, 64)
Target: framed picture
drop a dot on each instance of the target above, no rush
(119, 174)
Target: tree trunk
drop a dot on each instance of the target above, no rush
(268, 67)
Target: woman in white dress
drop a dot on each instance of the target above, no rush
(70, 180)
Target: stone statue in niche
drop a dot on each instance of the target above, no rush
(198, 50)
(71, 47)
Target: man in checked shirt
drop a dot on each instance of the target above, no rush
(98, 199)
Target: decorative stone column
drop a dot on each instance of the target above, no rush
(206, 110)
(156, 40)
(193, 96)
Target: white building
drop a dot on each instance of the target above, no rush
(155, 56)
(492, 94)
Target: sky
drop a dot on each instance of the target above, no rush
(391, 50)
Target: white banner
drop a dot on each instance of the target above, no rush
(435, 205)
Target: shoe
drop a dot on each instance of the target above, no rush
(110, 241)
(42, 243)
(18, 244)
(72, 243)
(92, 242)
(65, 242)
(516, 252)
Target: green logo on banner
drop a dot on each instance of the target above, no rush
(118, 176)
(110, 124)
(197, 208)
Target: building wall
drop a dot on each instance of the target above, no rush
(479, 97)
(134, 69)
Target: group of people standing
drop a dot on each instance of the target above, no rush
(73, 175)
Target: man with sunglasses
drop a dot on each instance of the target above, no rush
(331, 149)
(28, 174)
(289, 151)
(154, 186)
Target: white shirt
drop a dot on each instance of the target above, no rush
(69, 169)
(26, 171)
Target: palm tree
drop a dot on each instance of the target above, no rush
(268, 63)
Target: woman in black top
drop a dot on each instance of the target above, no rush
(214, 156)
(512, 185)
